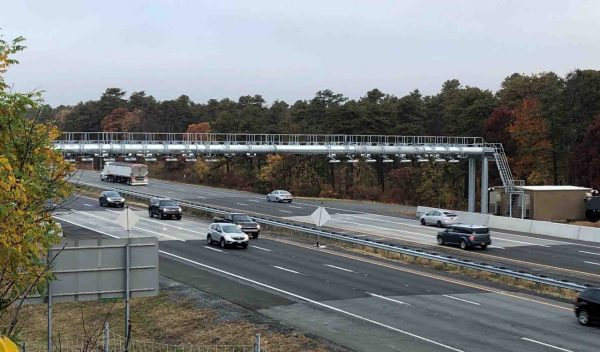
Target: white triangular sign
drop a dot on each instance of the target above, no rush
(320, 216)
(127, 217)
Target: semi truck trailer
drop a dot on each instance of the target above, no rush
(132, 174)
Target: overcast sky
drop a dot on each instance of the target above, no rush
(288, 50)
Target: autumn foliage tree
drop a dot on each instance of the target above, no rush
(201, 127)
(586, 164)
(529, 131)
(33, 177)
(121, 120)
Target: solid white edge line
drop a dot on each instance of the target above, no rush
(242, 204)
(545, 344)
(593, 263)
(87, 205)
(285, 211)
(85, 227)
(311, 301)
(214, 249)
(589, 252)
(388, 299)
(261, 248)
(337, 267)
(463, 300)
(285, 269)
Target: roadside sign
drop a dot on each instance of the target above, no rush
(320, 216)
(127, 219)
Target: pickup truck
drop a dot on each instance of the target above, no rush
(244, 222)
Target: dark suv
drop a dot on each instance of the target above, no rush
(587, 306)
(164, 208)
(465, 236)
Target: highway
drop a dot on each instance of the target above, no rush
(363, 304)
(578, 261)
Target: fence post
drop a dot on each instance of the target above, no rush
(257, 343)
(106, 337)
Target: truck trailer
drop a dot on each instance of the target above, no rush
(132, 174)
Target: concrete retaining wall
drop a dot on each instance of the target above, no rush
(574, 232)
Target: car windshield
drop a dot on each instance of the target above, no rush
(112, 194)
(230, 229)
(449, 214)
(167, 203)
(241, 217)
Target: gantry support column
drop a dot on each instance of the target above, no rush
(484, 185)
(472, 185)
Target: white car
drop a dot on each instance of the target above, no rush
(441, 218)
(279, 196)
(226, 235)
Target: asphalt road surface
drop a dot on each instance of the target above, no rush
(577, 261)
(359, 303)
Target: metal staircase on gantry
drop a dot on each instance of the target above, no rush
(514, 188)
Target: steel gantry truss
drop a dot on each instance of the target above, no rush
(424, 148)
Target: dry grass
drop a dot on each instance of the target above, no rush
(165, 319)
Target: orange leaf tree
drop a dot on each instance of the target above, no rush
(33, 179)
(529, 131)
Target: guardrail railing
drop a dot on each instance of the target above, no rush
(420, 253)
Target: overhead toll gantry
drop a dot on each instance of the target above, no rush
(332, 146)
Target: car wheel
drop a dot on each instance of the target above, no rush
(483, 246)
(463, 244)
(160, 216)
(440, 240)
(123, 205)
(209, 240)
(278, 200)
(439, 223)
(222, 243)
(179, 217)
(100, 203)
(255, 235)
(150, 213)
(268, 199)
(583, 317)
(244, 245)
(423, 222)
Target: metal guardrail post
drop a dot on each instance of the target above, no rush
(257, 343)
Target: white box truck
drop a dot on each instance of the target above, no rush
(132, 174)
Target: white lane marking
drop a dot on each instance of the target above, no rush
(496, 247)
(261, 248)
(593, 263)
(522, 242)
(388, 299)
(86, 227)
(337, 267)
(273, 288)
(214, 249)
(463, 300)
(589, 252)
(293, 206)
(383, 228)
(88, 205)
(162, 223)
(545, 344)
(242, 204)
(135, 228)
(253, 200)
(285, 269)
(285, 211)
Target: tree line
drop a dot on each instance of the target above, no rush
(548, 124)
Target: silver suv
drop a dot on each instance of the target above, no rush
(226, 235)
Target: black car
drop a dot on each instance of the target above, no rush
(465, 236)
(587, 306)
(164, 208)
(244, 222)
(111, 198)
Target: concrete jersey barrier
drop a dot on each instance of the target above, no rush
(573, 232)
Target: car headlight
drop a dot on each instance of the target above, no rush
(258, 226)
(109, 199)
(227, 237)
(178, 208)
(161, 209)
(239, 226)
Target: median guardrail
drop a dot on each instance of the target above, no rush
(418, 253)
